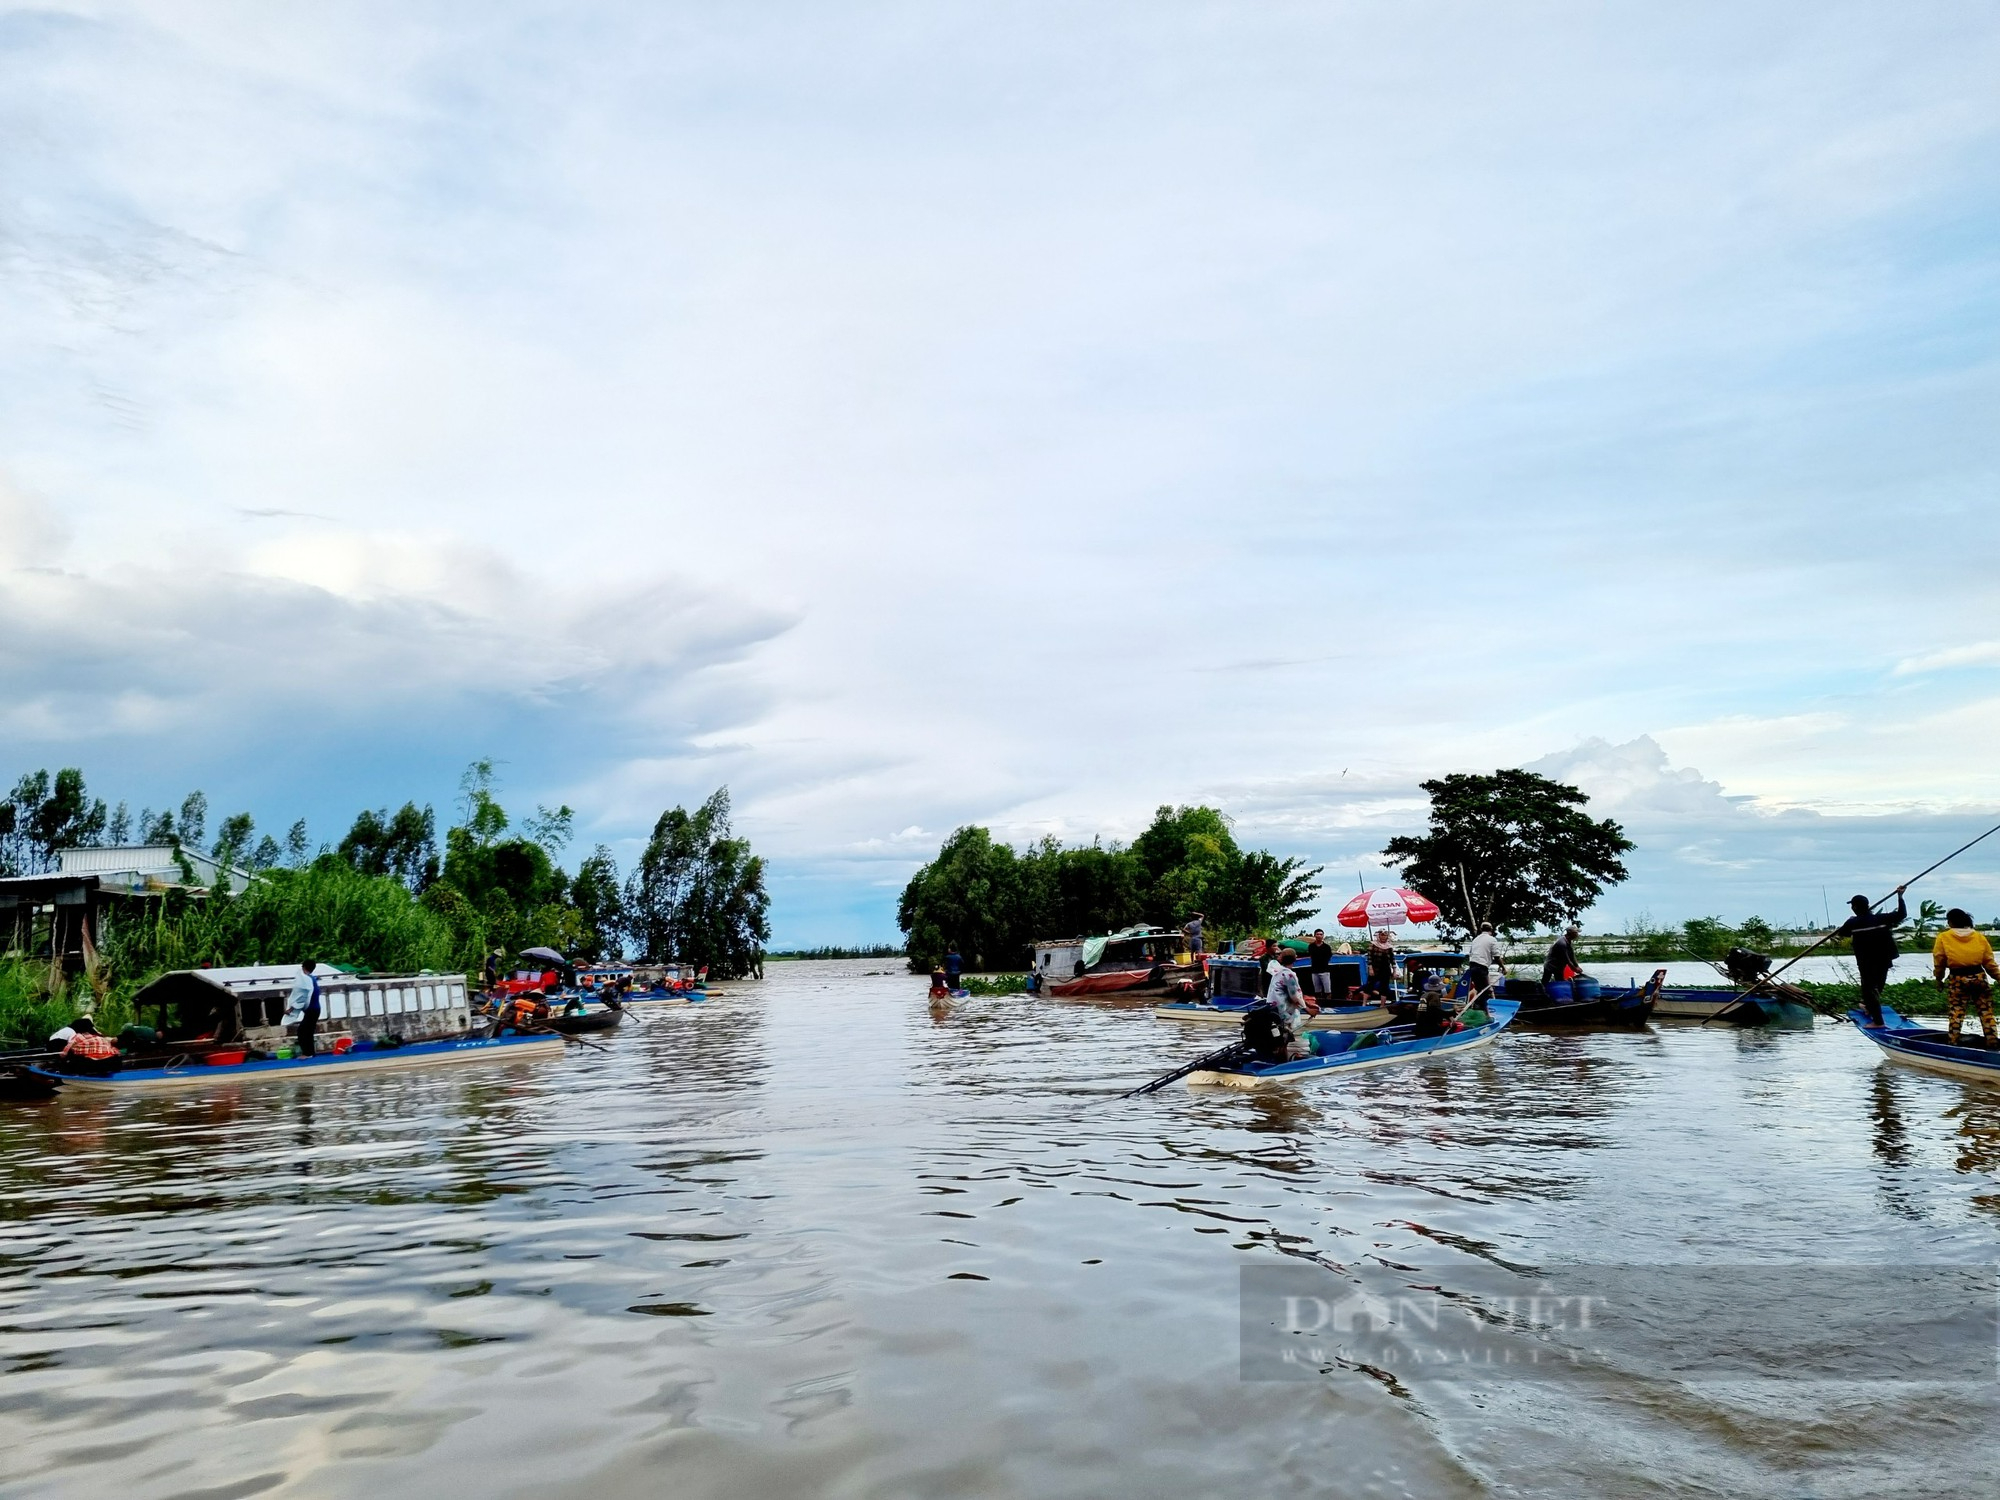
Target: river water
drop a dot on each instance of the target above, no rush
(811, 1240)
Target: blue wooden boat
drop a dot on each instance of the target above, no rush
(1393, 1044)
(667, 995)
(1903, 1041)
(1562, 1005)
(372, 1059)
(1231, 1013)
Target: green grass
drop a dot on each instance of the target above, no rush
(995, 984)
(1910, 996)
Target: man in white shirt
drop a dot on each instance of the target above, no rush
(1483, 960)
(303, 1002)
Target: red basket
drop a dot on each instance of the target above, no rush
(225, 1059)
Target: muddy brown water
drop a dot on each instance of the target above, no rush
(812, 1241)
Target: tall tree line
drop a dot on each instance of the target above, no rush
(993, 904)
(495, 884)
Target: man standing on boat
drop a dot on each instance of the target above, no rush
(1285, 995)
(1560, 966)
(1482, 961)
(1873, 934)
(1319, 957)
(953, 966)
(1962, 960)
(1192, 932)
(304, 1001)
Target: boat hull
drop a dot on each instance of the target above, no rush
(589, 1021)
(1605, 1010)
(326, 1065)
(1920, 1047)
(1119, 982)
(1434, 1048)
(1332, 1018)
(684, 997)
(1708, 1005)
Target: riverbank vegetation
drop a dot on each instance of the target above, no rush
(385, 898)
(993, 904)
(796, 955)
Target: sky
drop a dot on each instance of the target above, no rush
(1028, 415)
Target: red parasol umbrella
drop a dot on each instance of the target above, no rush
(1387, 906)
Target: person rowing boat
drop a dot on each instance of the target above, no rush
(1873, 935)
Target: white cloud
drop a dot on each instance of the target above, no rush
(1974, 654)
(1012, 415)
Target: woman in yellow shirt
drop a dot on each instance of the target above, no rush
(1963, 959)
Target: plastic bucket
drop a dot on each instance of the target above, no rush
(225, 1059)
(1559, 989)
(1588, 989)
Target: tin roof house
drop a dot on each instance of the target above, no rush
(55, 916)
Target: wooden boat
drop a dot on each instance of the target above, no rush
(1137, 961)
(579, 1022)
(1395, 1045)
(179, 1072)
(22, 1085)
(1903, 1041)
(667, 995)
(1330, 1018)
(1557, 1006)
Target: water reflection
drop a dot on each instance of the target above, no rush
(810, 1239)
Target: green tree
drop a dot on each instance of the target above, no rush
(1061, 893)
(403, 845)
(1531, 856)
(44, 814)
(1707, 937)
(231, 840)
(697, 893)
(969, 898)
(600, 906)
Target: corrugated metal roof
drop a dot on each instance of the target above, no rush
(140, 864)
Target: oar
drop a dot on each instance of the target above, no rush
(1879, 901)
(1220, 1055)
(551, 1031)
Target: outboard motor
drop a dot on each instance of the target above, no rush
(1746, 967)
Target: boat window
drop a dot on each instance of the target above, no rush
(336, 1005)
(430, 1000)
(454, 995)
(399, 1000)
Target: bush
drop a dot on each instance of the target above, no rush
(994, 984)
(329, 911)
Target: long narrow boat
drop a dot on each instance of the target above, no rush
(1903, 1041)
(326, 1065)
(578, 1022)
(1733, 1007)
(667, 995)
(1396, 1045)
(1330, 1017)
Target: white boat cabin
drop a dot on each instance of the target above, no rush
(248, 1005)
